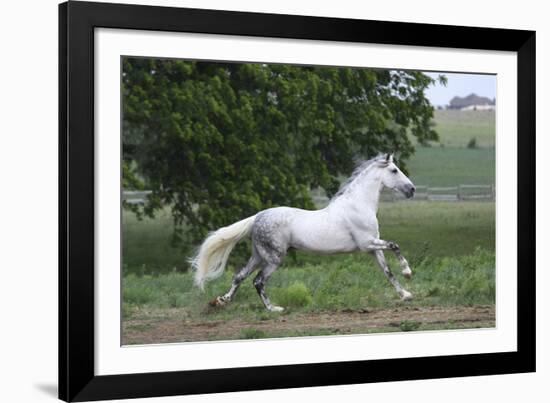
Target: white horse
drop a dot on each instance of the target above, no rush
(347, 224)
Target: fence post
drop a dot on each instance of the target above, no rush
(458, 192)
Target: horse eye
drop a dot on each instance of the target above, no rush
(394, 171)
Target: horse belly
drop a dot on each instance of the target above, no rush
(321, 237)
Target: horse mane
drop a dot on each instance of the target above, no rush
(360, 168)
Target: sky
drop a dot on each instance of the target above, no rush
(459, 84)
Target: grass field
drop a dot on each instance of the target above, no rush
(450, 247)
(457, 128)
(147, 244)
(421, 228)
(436, 166)
(450, 162)
(351, 282)
(154, 306)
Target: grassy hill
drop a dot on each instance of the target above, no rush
(450, 162)
(456, 128)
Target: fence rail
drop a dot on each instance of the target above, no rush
(135, 196)
(446, 193)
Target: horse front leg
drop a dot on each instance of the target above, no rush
(390, 245)
(381, 260)
(405, 269)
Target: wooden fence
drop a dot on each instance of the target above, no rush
(447, 193)
(135, 196)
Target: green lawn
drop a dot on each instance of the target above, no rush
(443, 166)
(147, 244)
(353, 282)
(421, 228)
(449, 246)
(442, 228)
(450, 162)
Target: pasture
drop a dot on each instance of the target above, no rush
(442, 166)
(436, 229)
(450, 247)
(457, 128)
(450, 162)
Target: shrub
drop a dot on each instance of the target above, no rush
(252, 333)
(472, 143)
(409, 325)
(295, 295)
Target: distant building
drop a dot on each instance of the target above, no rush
(472, 102)
(478, 108)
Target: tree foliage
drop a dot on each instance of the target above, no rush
(220, 141)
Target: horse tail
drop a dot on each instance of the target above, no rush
(211, 258)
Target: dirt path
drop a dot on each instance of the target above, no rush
(173, 327)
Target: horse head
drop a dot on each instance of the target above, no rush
(393, 178)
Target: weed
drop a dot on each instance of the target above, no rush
(251, 333)
(409, 325)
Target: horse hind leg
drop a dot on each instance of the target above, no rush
(259, 283)
(271, 243)
(238, 278)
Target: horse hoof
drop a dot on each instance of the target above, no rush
(406, 296)
(275, 308)
(217, 302)
(407, 273)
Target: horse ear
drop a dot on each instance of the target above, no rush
(389, 157)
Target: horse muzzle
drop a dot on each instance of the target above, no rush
(408, 191)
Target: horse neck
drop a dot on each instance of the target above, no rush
(366, 192)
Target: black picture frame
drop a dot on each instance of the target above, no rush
(77, 21)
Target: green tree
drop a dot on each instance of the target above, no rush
(220, 141)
